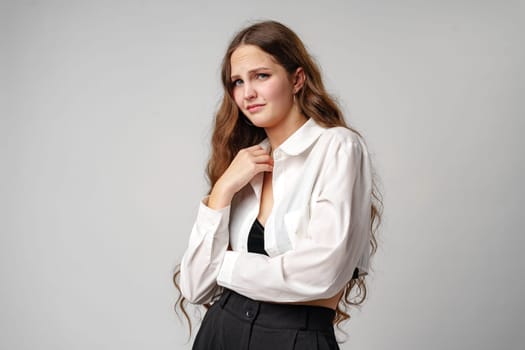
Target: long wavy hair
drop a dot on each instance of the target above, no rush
(231, 133)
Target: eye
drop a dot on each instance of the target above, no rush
(236, 82)
(263, 75)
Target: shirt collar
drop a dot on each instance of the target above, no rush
(300, 140)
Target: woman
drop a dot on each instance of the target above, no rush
(287, 228)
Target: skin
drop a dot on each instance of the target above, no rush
(258, 79)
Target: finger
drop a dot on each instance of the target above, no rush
(263, 167)
(263, 158)
(254, 148)
(258, 152)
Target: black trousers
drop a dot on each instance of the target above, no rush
(236, 322)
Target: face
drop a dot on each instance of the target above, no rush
(262, 89)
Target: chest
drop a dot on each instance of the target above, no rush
(280, 200)
(266, 203)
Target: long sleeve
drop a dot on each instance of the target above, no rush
(325, 256)
(202, 259)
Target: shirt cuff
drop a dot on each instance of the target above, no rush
(212, 220)
(224, 278)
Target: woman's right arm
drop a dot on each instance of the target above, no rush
(209, 238)
(208, 241)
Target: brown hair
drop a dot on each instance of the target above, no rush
(231, 133)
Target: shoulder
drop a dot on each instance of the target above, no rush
(341, 138)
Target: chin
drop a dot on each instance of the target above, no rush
(263, 123)
(265, 119)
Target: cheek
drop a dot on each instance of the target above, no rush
(237, 97)
(278, 93)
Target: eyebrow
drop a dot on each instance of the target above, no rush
(250, 71)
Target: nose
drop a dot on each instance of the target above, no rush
(249, 91)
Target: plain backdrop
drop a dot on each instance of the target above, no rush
(106, 112)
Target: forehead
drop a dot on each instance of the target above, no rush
(247, 57)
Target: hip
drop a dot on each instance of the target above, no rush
(238, 322)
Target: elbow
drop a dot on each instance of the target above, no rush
(192, 293)
(186, 290)
(196, 288)
(193, 296)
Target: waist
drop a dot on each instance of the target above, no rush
(328, 302)
(271, 315)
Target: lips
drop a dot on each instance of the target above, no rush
(254, 107)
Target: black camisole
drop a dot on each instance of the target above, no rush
(256, 238)
(256, 242)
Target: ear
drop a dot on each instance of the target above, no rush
(298, 79)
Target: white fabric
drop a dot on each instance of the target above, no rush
(318, 231)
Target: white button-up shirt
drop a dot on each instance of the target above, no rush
(317, 233)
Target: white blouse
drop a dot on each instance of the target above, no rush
(317, 233)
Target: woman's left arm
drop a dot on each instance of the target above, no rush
(336, 237)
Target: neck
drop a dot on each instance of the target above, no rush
(279, 133)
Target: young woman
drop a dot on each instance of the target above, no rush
(288, 227)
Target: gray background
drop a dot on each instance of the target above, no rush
(106, 109)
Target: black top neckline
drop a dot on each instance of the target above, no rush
(256, 238)
(261, 226)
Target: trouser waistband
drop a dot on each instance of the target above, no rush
(272, 315)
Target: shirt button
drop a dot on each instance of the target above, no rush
(249, 314)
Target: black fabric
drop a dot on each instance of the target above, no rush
(237, 322)
(256, 238)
